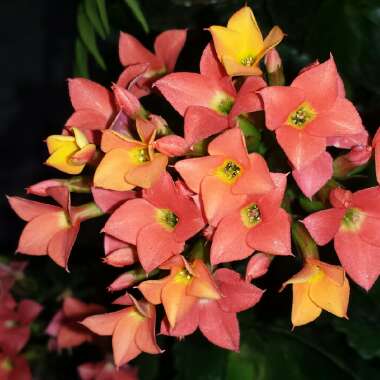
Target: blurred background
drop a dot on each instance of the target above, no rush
(44, 42)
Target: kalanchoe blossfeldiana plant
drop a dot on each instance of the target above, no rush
(198, 210)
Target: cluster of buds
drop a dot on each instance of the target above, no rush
(16, 318)
(185, 207)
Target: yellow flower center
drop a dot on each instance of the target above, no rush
(317, 276)
(250, 215)
(229, 171)
(248, 60)
(353, 219)
(303, 115)
(139, 155)
(6, 365)
(222, 103)
(183, 277)
(166, 218)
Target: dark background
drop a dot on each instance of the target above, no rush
(37, 54)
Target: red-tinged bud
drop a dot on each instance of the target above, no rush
(76, 184)
(273, 64)
(127, 279)
(122, 257)
(129, 103)
(304, 242)
(257, 266)
(340, 198)
(84, 212)
(172, 146)
(352, 162)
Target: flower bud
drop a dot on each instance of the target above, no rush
(340, 198)
(352, 161)
(257, 266)
(127, 279)
(172, 146)
(273, 64)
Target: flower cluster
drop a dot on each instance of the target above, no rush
(185, 206)
(16, 318)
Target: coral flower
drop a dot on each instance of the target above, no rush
(259, 224)
(376, 148)
(240, 45)
(64, 327)
(354, 224)
(148, 66)
(318, 286)
(132, 330)
(216, 318)
(309, 112)
(14, 324)
(69, 154)
(51, 230)
(180, 290)
(226, 177)
(158, 224)
(14, 368)
(105, 370)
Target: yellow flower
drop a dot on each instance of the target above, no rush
(69, 154)
(318, 286)
(240, 46)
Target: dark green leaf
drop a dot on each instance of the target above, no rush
(134, 5)
(87, 34)
(81, 60)
(103, 15)
(93, 15)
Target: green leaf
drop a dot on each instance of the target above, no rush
(87, 34)
(81, 60)
(103, 15)
(93, 15)
(134, 5)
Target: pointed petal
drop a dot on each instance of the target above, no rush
(360, 260)
(219, 327)
(185, 326)
(368, 200)
(127, 102)
(130, 76)
(172, 146)
(210, 65)
(28, 210)
(257, 266)
(86, 94)
(152, 289)
(28, 311)
(203, 284)
(168, 46)
(369, 230)
(300, 147)
(274, 37)
(87, 119)
(320, 85)
(104, 324)
(72, 336)
(61, 195)
(146, 335)
(76, 309)
(109, 200)
(323, 225)
(311, 178)
(126, 222)
(273, 236)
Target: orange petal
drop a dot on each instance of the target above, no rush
(202, 285)
(152, 289)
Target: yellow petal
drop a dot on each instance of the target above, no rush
(55, 142)
(234, 67)
(303, 309)
(226, 42)
(60, 159)
(274, 37)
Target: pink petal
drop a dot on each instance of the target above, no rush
(74, 309)
(272, 236)
(155, 246)
(126, 222)
(28, 210)
(111, 244)
(172, 146)
(13, 340)
(279, 102)
(323, 225)
(231, 145)
(71, 335)
(210, 65)
(126, 101)
(193, 170)
(360, 260)
(61, 195)
(320, 85)
(271, 201)
(28, 311)
(313, 177)
(368, 200)
(237, 294)
(146, 336)
(104, 324)
(109, 200)
(300, 147)
(202, 122)
(121, 257)
(163, 194)
(369, 231)
(229, 240)
(124, 281)
(257, 266)
(131, 75)
(168, 46)
(182, 90)
(219, 327)
(87, 119)
(131, 51)
(348, 141)
(35, 237)
(86, 94)
(256, 178)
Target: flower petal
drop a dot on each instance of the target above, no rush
(209, 64)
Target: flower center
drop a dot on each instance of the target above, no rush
(222, 103)
(303, 115)
(251, 215)
(229, 171)
(139, 155)
(183, 276)
(9, 324)
(248, 60)
(167, 218)
(6, 365)
(317, 276)
(353, 219)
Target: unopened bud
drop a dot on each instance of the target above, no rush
(340, 198)
(352, 162)
(129, 103)
(127, 279)
(273, 64)
(257, 266)
(121, 257)
(172, 146)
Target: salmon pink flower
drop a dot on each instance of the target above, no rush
(376, 147)
(258, 224)
(64, 328)
(14, 367)
(145, 65)
(318, 286)
(69, 154)
(132, 330)
(309, 112)
(226, 177)
(158, 224)
(353, 223)
(93, 104)
(240, 45)
(51, 230)
(14, 324)
(216, 318)
(105, 370)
